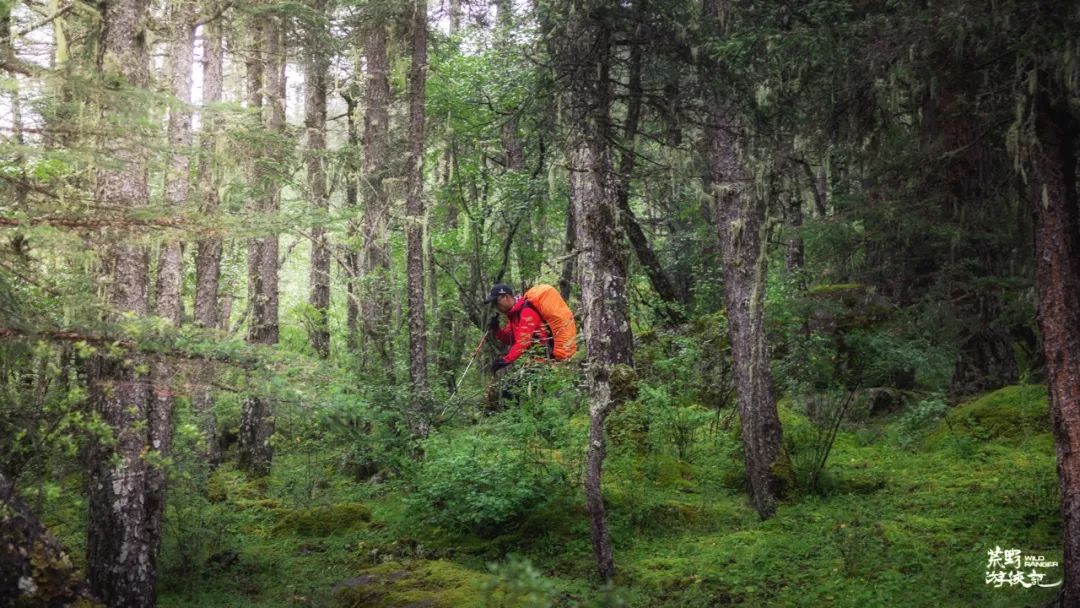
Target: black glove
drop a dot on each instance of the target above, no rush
(493, 324)
(498, 364)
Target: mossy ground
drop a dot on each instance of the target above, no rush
(892, 527)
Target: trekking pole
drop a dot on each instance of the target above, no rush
(471, 359)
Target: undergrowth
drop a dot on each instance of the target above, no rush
(905, 515)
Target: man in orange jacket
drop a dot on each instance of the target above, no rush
(524, 326)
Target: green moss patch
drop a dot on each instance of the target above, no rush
(323, 520)
(428, 583)
(228, 484)
(1010, 413)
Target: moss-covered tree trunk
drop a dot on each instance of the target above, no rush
(1054, 207)
(315, 76)
(602, 264)
(35, 570)
(741, 222)
(257, 420)
(119, 555)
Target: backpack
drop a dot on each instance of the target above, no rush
(546, 300)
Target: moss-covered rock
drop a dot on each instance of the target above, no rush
(434, 583)
(323, 520)
(1010, 413)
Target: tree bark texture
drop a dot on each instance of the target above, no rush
(208, 251)
(177, 176)
(602, 264)
(119, 558)
(414, 216)
(742, 225)
(315, 84)
(566, 276)
(794, 258)
(257, 420)
(375, 256)
(1054, 207)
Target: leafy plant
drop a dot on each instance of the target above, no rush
(517, 583)
(920, 417)
(475, 483)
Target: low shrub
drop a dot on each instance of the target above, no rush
(476, 484)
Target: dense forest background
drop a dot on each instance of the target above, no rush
(824, 258)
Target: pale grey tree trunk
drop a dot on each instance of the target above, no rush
(742, 225)
(414, 220)
(315, 83)
(602, 263)
(454, 13)
(119, 558)
(257, 420)
(208, 251)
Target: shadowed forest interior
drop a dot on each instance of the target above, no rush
(529, 303)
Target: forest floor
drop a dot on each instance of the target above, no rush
(895, 522)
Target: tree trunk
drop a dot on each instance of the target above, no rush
(602, 267)
(414, 224)
(257, 420)
(741, 222)
(352, 256)
(454, 13)
(566, 277)
(170, 268)
(35, 570)
(208, 251)
(315, 76)
(1054, 207)
(602, 264)
(118, 549)
(177, 176)
(375, 256)
(794, 258)
(741, 225)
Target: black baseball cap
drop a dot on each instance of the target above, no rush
(498, 290)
